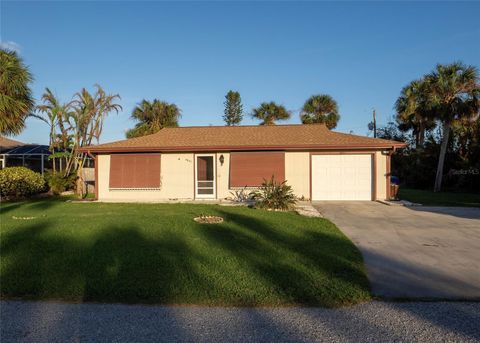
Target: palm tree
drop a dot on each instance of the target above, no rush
(269, 112)
(411, 111)
(153, 116)
(467, 136)
(16, 100)
(54, 114)
(89, 113)
(86, 124)
(320, 109)
(453, 94)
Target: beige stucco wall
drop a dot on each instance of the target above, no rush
(297, 172)
(381, 176)
(176, 176)
(223, 175)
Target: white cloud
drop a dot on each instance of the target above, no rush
(9, 45)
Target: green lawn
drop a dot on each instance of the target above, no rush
(156, 253)
(440, 198)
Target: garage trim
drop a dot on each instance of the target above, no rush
(351, 152)
(389, 173)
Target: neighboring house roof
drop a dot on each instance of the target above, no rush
(7, 144)
(259, 137)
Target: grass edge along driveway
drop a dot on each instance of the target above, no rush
(430, 198)
(157, 254)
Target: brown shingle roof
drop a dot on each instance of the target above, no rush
(7, 144)
(225, 138)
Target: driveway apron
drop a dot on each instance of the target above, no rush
(414, 252)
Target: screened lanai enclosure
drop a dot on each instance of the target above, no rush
(32, 156)
(36, 157)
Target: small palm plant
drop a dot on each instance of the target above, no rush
(274, 195)
(241, 195)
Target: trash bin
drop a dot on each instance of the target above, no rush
(394, 186)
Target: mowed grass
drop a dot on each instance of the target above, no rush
(156, 253)
(430, 198)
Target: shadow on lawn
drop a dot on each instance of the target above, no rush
(299, 279)
(120, 266)
(31, 204)
(45, 204)
(6, 207)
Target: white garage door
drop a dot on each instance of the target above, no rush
(342, 177)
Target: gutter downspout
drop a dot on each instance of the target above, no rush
(389, 171)
(95, 158)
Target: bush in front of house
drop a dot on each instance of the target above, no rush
(58, 183)
(20, 182)
(241, 195)
(274, 195)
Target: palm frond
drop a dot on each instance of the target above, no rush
(16, 101)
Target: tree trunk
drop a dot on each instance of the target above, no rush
(441, 158)
(80, 186)
(417, 137)
(53, 162)
(52, 150)
(421, 136)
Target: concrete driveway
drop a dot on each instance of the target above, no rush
(414, 252)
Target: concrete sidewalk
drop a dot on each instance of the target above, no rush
(370, 322)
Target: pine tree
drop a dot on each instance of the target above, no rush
(233, 113)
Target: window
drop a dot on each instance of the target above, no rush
(251, 168)
(135, 171)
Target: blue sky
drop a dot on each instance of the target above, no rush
(192, 53)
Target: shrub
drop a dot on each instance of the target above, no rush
(274, 195)
(241, 195)
(20, 182)
(59, 183)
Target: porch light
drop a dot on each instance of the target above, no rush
(221, 159)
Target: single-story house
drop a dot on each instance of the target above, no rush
(211, 162)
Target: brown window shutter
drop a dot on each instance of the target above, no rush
(135, 170)
(116, 171)
(251, 168)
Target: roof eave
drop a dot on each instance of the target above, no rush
(93, 149)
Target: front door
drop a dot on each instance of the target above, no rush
(205, 176)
